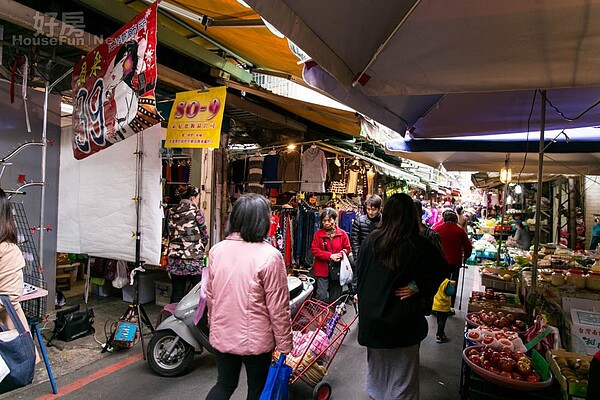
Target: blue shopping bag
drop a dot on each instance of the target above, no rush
(276, 387)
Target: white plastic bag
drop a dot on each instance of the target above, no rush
(345, 271)
(122, 277)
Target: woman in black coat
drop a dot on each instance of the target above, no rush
(394, 256)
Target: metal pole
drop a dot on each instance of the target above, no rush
(43, 175)
(531, 300)
(503, 214)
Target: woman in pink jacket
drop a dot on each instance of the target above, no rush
(248, 299)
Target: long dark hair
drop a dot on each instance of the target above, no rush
(251, 217)
(8, 229)
(399, 225)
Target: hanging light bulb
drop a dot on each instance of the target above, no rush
(518, 189)
(506, 172)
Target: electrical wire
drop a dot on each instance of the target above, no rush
(527, 137)
(581, 114)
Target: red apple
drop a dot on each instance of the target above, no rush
(520, 325)
(516, 376)
(474, 335)
(487, 364)
(495, 370)
(524, 368)
(475, 359)
(505, 374)
(487, 339)
(507, 364)
(472, 351)
(534, 377)
(496, 357)
(511, 317)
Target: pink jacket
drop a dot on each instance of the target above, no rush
(248, 298)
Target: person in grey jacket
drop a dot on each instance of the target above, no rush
(366, 223)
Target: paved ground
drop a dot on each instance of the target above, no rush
(83, 372)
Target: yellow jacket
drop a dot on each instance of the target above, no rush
(441, 301)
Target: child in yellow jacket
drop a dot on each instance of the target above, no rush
(441, 305)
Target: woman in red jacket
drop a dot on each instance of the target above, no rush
(327, 246)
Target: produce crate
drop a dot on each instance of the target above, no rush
(478, 306)
(491, 255)
(570, 389)
(494, 281)
(484, 229)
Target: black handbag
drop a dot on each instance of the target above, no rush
(334, 270)
(18, 352)
(334, 266)
(72, 323)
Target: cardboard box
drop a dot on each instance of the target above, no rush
(105, 290)
(585, 331)
(146, 287)
(580, 304)
(163, 290)
(571, 389)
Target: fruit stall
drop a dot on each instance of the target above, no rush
(503, 356)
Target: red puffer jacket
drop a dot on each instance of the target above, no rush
(322, 251)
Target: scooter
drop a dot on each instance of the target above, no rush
(184, 333)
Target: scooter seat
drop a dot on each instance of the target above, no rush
(295, 286)
(166, 312)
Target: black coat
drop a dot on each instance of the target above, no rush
(361, 227)
(385, 321)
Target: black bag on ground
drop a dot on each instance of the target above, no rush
(72, 323)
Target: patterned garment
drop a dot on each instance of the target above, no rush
(179, 266)
(338, 187)
(255, 172)
(188, 233)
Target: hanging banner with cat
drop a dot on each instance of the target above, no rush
(113, 87)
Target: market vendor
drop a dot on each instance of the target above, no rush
(521, 238)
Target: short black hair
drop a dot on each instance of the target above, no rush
(373, 201)
(450, 216)
(328, 212)
(188, 192)
(250, 217)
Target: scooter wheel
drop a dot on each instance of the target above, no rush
(322, 391)
(175, 364)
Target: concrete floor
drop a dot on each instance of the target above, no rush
(81, 370)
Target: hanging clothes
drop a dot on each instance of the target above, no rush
(270, 171)
(287, 170)
(237, 171)
(314, 170)
(346, 218)
(335, 177)
(255, 164)
(371, 174)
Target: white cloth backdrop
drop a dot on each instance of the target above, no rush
(96, 213)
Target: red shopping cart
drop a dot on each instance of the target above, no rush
(319, 331)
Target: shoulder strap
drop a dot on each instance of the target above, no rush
(12, 314)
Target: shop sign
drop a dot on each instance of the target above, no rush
(113, 87)
(196, 119)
